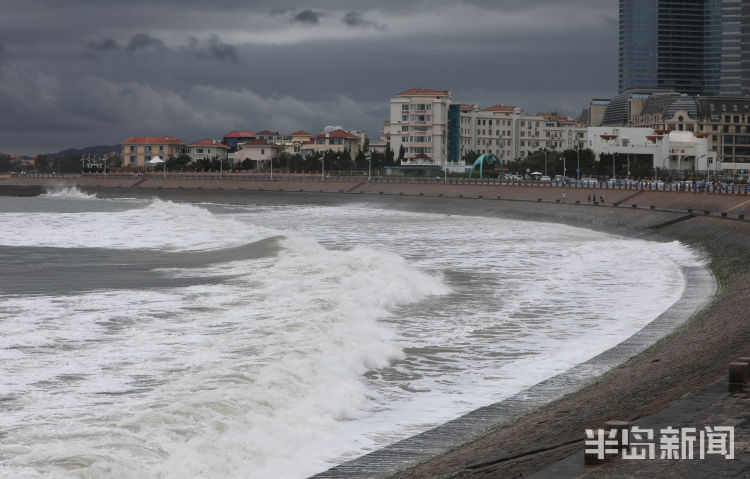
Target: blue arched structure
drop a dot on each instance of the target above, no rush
(490, 159)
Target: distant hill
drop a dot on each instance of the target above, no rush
(89, 150)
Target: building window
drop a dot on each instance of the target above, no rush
(147, 149)
(132, 149)
(404, 107)
(262, 151)
(133, 160)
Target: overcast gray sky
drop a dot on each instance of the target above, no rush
(77, 73)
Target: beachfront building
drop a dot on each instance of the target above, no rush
(137, 151)
(506, 132)
(723, 121)
(489, 130)
(419, 123)
(377, 146)
(679, 151)
(269, 136)
(207, 149)
(259, 151)
(293, 143)
(337, 140)
(234, 138)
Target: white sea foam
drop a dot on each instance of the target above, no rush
(154, 225)
(304, 359)
(67, 192)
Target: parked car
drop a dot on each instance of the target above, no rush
(545, 179)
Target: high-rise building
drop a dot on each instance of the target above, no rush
(689, 46)
(731, 49)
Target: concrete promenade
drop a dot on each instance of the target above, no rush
(673, 373)
(733, 205)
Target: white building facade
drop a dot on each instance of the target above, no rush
(682, 151)
(419, 123)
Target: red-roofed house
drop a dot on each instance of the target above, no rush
(269, 136)
(293, 142)
(207, 149)
(234, 138)
(419, 124)
(136, 151)
(337, 140)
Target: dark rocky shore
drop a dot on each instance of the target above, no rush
(692, 358)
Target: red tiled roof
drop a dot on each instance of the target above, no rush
(466, 106)
(240, 134)
(423, 92)
(153, 140)
(267, 133)
(422, 156)
(338, 134)
(499, 108)
(209, 142)
(300, 133)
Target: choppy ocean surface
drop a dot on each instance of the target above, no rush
(159, 339)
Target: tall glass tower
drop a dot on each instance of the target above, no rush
(690, 46)
(639, 44)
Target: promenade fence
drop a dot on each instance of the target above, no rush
(205, 176)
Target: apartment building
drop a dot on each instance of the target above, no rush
(489, 130)
(419, 124)
(506, 132)
(137, 151)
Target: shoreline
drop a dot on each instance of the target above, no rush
(687, 360)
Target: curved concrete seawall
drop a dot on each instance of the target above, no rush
(515, 438)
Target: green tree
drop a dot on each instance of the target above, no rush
(401, 153)
(43, 164)
(389, 159)
(179, 162)
(470, 157)
(4, 163)
(361, 160)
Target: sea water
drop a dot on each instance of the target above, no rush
(144, 338)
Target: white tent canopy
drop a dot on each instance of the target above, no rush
(155, 160)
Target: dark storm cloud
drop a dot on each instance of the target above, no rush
(213, 49)
(308, 17)
(152, 75)
(356, 20)
(143, 41)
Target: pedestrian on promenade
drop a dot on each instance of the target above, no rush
(563, 195)
(601, 199)
(589, 200)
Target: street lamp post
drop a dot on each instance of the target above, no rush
(322, 169)
(545, 161)
(578, 165)
(369, 167)
(565, 169)
(628, 166)
(271, 167)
